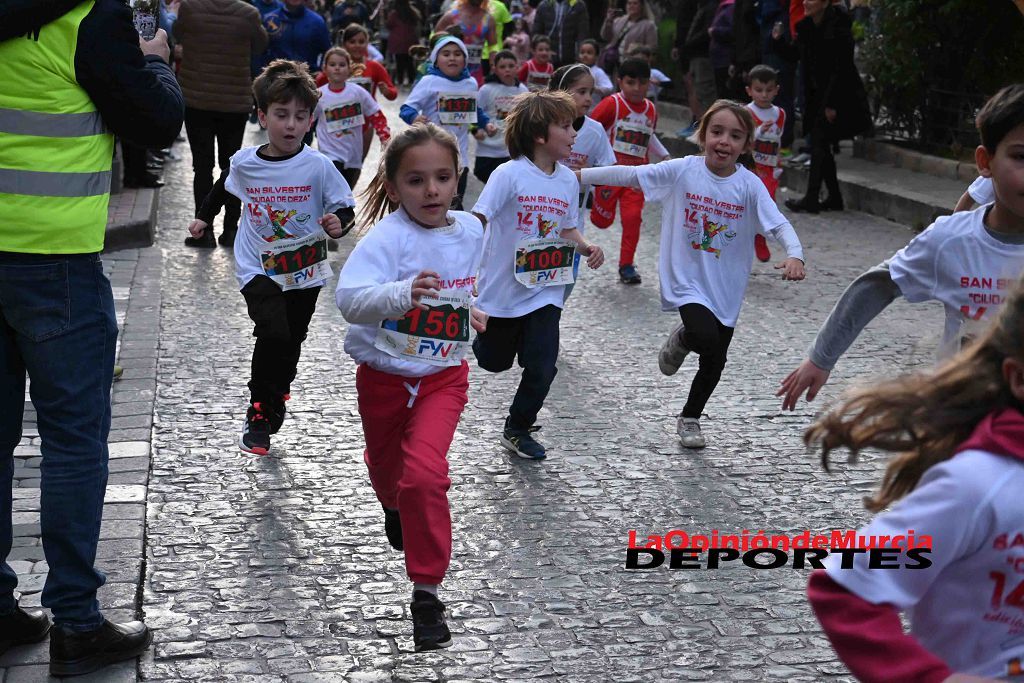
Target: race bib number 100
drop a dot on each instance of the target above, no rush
(437, 336)
(296, 262)
(456, 108)
(545, 262)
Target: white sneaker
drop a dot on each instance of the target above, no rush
(688, 429)
(672, 353)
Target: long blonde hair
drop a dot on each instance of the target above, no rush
(925, 416)
(377, 204)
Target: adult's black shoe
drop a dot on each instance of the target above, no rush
(145, 180)
(833, 204)
(21, 627)
(206, 240)
(803, 206)
(73, 653)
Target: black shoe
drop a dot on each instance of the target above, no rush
(629, 275)
(73, 653)
(255, 436)
(145, 180)
(227, 237)
(205, 241)
(803, 206)
(275, 413)
(393, 528)
(833, 204)
(21, 628)
(522, 443)
(429, 630)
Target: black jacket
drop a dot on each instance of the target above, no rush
(830, 79)
(565, 38)
(697, 38)
(137, 96)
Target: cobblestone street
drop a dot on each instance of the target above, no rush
(276, 568)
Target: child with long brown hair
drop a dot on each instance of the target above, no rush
(407, 291)
(713, 207)
(959, 432)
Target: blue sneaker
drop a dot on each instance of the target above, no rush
(689, 130)
(521, 443)
(629, 275)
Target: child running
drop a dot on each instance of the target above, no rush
(500, 88)
(406, 290)
(591, 147)
(629, 119)
(967, 261)
(536, 71)
(341, 112)
(603, 86)
(712, 207)
(291, 196)
(762, 88)
(447, 95)
(531, 205)
(958, 431)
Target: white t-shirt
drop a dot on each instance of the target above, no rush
(961, 607)
(591, 148)
(496, 100)
(340, 117)
(981, 190)
(707, 232)
(956, 262)
(433, 92)
(281, 201)
(376, 280)
(520, 202)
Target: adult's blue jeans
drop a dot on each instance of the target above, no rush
(57, 323)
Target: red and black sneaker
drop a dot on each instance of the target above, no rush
(255, 436)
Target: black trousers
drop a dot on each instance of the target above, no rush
(533, 338)
(351, 175)
(704, 335)
(823, 163)
(461, 191)
(281, 322)
(405, 69)
(483, 167)
(205, 128)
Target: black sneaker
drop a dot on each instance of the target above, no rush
(227, 237)
(73, 653)
(629, 275)
(204, 241)
(276, 412)
(429, 630)
(520, 442)
(255, 436)
(393, 528)
(21, 628)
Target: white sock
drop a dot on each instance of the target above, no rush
(427, 587)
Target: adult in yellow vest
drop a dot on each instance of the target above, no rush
(73, 76)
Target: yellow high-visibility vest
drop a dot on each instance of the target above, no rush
(55, 152)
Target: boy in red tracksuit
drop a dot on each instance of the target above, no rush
(630, 119)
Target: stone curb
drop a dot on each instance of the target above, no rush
(131, 219)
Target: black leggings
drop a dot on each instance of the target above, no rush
(704, 335)
(351, 175)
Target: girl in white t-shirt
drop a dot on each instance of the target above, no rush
(340, 114)
(407, 290)
(591, 147)
(712, 209)
(956, 482)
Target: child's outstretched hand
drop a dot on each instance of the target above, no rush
(792, 269)
(595, 256)
(808, 377)
(427, 283)
(478, 319)
(196, 228)
(331, 225)
(479, 134)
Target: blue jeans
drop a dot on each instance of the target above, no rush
(57, 323)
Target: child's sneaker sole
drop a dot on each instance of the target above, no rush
(255, 450)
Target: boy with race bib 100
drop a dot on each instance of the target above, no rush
(532, 206)
(407, 290)
(291, 195)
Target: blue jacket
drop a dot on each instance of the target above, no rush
(409, 114)
(302, 36)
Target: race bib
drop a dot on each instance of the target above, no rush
(502, 107)
(538, 80)
(363, 82)
(545, 261)
(344, 117)
(632, 138)
(456, 108)
(438, 335)
(294, 263)
(476, 53)
(766, 152)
